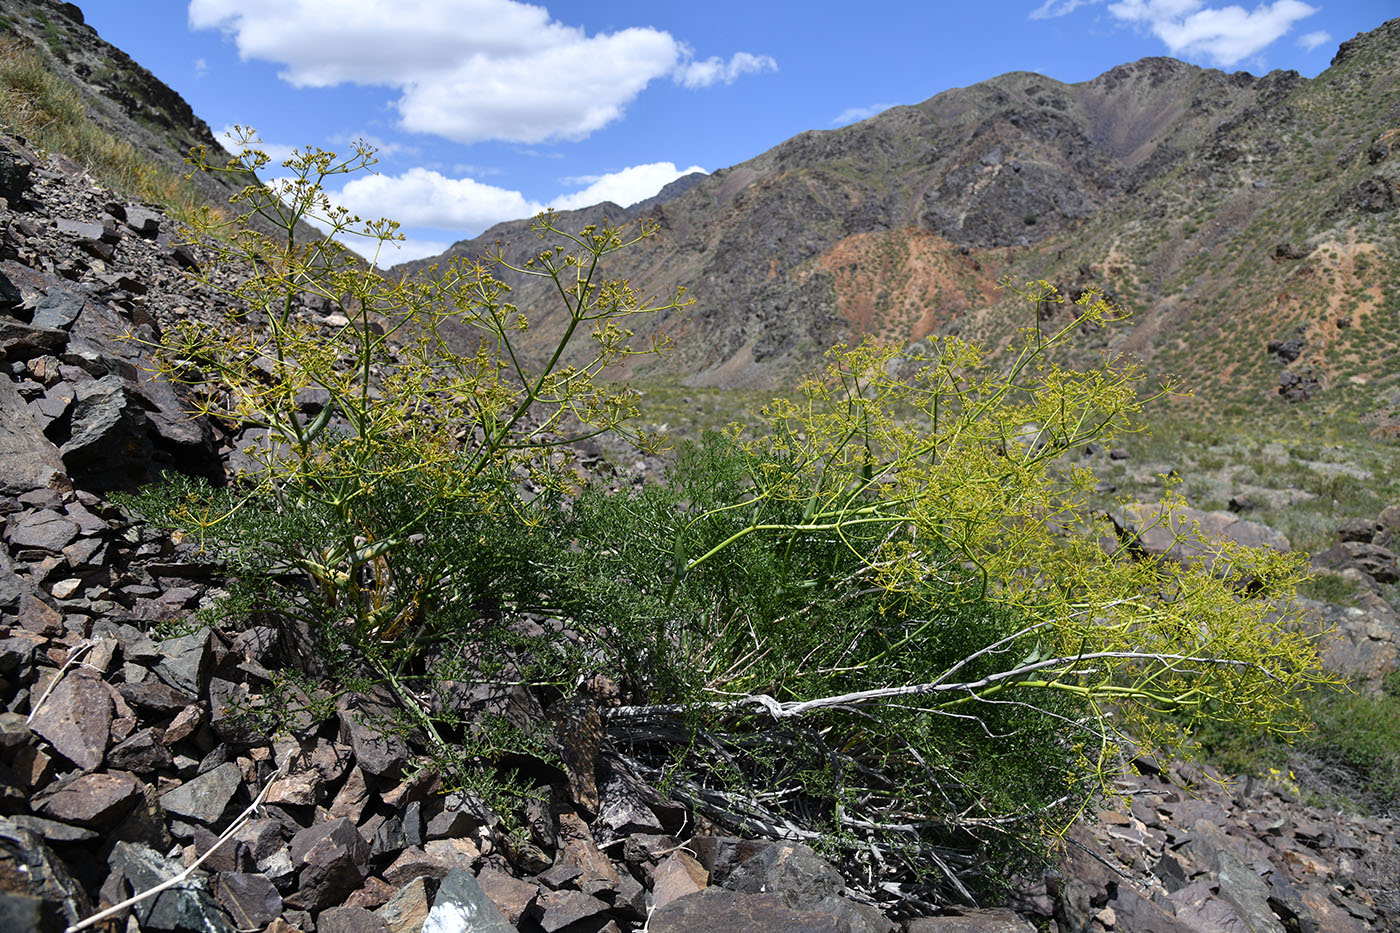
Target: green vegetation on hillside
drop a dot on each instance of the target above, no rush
(50, 114)
(888, 622)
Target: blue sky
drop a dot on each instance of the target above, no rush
(487, 110)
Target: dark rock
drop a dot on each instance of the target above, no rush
(1247, 892)
(52, 830)
(58, 310)
(229, 707)
(79, 230)
(250, 899)
(557, 909)
(1363, 530)
(76, 719)
(41, 529)
(1375, 195)
(678, 874)
(183, 256)
(577, 848)
(1298, 386)
(155, 697)
(792, 871)
(350, 801)
(461, 906)
(30, 871)
(205, 798)
(1197, 908)
(452, 823)
(350, 920)
(1286, 350)
(96, 801)
(24, 341)
(415, 863)
(110, 446)
(16, 175)
(407, 910)
(12, 588)
(1291, 251)
(186, 908)
(716, 909)
(331, 857)
(622, 807)
(144, 222)
(184, 664)
(1142, 524)
(578, 727)
(720, 855)
(364, 725)
(1376, 562)
(21, 913)
(511, 895)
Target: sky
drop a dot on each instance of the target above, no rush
(491, 110)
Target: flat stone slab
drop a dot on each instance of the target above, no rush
(204, 798)
(76, 719)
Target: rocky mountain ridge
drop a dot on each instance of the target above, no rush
(1261, 207)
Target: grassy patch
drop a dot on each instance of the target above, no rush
(49, 112)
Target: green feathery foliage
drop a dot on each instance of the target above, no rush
(889, 624)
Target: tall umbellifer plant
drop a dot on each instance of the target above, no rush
(892, 623)
(379, 439)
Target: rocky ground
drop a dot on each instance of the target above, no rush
(126, 760)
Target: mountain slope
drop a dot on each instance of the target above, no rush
(1182, 191)
(120, 96)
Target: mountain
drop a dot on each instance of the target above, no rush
(1227, 211)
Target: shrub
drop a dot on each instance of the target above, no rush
(890, 624)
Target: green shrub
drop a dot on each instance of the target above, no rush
(889, 623)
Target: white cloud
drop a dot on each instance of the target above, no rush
(424, 198)
(1225, 35)
(201, 68)
(1051, 9)
(856, 114)
(466, 70)
(625, 188)
(714, 70)
(1312, 40)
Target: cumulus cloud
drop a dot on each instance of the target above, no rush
(1312, 40)
(715, 70)
(1225, 35)
(423, 198)
(625, 188)
(856, 114)
(466, 70)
